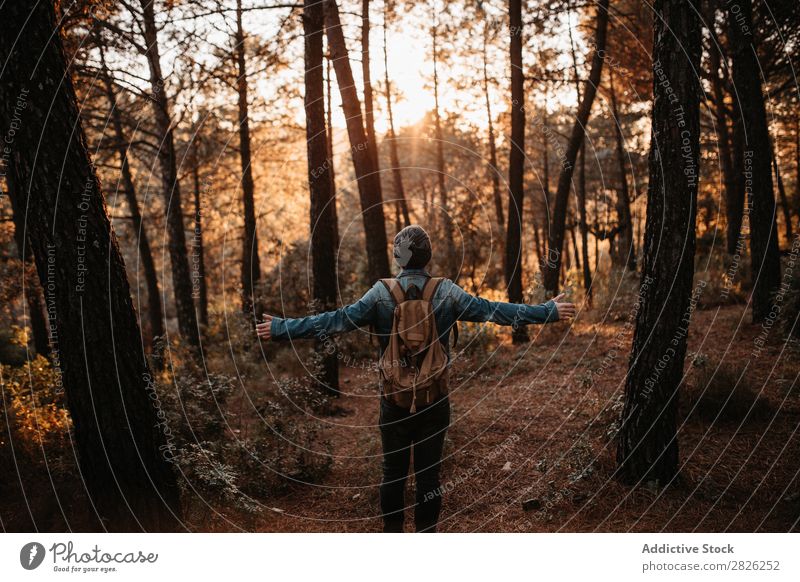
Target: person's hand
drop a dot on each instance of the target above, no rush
(565, 310)
(264, 330)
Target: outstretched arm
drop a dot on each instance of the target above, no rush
(325, 324)
(471, 308)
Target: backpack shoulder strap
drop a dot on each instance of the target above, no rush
(428, 294)
(395, 290)
(431, 285)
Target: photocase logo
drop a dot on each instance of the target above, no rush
(31, 555)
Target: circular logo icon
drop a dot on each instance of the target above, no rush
(31, 555)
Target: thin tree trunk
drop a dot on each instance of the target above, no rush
(329, 133)
(251, 264)
(155, 310)
(394, 157)
(447, 219)
(625, 244)
(369, 116)
(546, 178)
(181, 274)
(575, 247)
(648, 447)
(733, 201)
(369, 185)
(122, 450)
(537, 241)
(516, 167)
(797, 168)
(324, 237)
(493, 171)
(200, 287)
(584, 228)
(556, 238)
(787, 215)
(734, 209)
(757, 153)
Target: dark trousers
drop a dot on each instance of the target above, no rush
(423, 431)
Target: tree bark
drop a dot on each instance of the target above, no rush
(200, 285)
(121, 447)
(251, 264)
(546, 179)
(796, 200)
(556, 234)
(516, 167)
(787, 215)
(369, 185)
(584, 228)
(575, 248)
(734, 211)
(493, 171)
(329, 134)
(757, 158)
(627, 252)
(537, 241)
(733, 200)
(154, 307)
(449, 254)
(181, 274)
(369, 115)
(647, 446)
(323, 236)
(394, 157)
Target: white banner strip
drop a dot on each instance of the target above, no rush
(400, 557)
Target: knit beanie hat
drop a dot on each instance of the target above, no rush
(412, 247)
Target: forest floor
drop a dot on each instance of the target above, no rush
(531, 447)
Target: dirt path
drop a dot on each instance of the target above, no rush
(530, 445)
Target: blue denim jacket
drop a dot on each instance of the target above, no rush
(376, 308)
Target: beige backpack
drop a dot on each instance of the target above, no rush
(413, 367)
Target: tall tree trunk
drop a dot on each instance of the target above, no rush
(200, 285)
(397, 177)
(251, 264)
(796, 201)
(627, 252)
(575, 246)
(493, 171)
(546, 179)
(787, 214)
(154, 307)
(556, 234)
(369, 115)
(31, 286)
(450, 267)
(121, 447)
(733, 201)
(516, 167)
(181, 274)
(329, 134)
(757, 153)
(734, 208)
(648, 447)
(584, 228)
(369, 185)
(324, 237)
